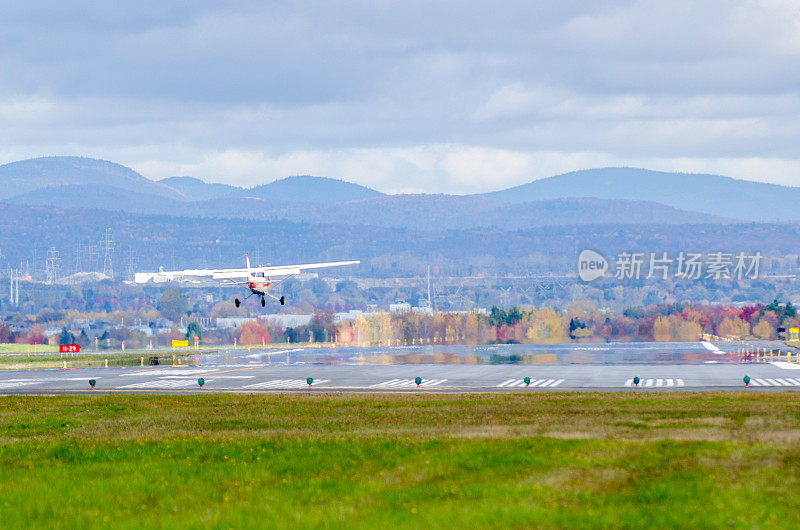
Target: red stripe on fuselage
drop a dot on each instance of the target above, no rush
(258, 287)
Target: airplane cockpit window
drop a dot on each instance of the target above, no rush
(258, 274)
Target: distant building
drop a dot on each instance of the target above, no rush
(399, 306)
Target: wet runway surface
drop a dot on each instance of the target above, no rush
(609, 367)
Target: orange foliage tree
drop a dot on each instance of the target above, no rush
(254, 333)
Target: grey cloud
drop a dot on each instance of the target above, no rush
(624, 80)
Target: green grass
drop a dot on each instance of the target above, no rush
(27, 348)
(374, 461)
(85, 360)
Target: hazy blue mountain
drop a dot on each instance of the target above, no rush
(196, 190)
(25, 176)
(98, 196)
(710, 194)
(320, 190)
(451, 212)
(178, 242)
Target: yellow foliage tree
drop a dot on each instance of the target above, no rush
(661, 329)
(763, 329)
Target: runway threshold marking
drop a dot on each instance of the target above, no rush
(164, 384)
(285, 383)
(786, 381)
(656, 382)
(515, 383)
(402, 383)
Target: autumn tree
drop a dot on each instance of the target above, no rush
(172, 304)
(253, 333)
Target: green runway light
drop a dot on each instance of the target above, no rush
(747, 380)
(92, 382)
(527, 381)
(201, 382)
(636, 380)
(418, 381)
(309, 381)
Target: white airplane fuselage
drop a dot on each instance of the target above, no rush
(258, 285)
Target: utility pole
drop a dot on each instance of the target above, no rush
(93, 257)
(79, 258)
(51, 266)
(130, 268)
(108, 248)
(430, 306)
(13, 295)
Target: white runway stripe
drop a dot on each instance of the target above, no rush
(655, 382)
(286, 383)
(164, 384)
(408, 383)
(168, 371)
(15, 384)
(786, 381)
(520, 383)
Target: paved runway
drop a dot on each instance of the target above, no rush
(435, 378)
(558, 367)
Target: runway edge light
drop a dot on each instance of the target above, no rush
(527, 381)
(201, 382)
(418, 381)
(310, 381)
(747, 380)
(636, 381)
(92, 382)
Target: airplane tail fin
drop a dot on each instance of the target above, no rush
(247, 260)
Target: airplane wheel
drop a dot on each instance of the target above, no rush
(282, 300)
(237, 302)
(263, 302)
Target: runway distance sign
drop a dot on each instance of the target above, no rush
(69, 348)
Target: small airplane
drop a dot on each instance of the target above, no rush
(258, 279)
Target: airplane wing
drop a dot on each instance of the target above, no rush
(232, 274)
(291, 270)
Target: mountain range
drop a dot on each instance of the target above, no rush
(596, 196)
(67, 203)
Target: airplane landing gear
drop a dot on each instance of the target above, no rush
(237, 302)
(263, 302)
(282, 300)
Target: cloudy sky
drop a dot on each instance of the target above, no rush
(405, 96)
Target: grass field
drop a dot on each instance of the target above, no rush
(478, 460)
(27, 348)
